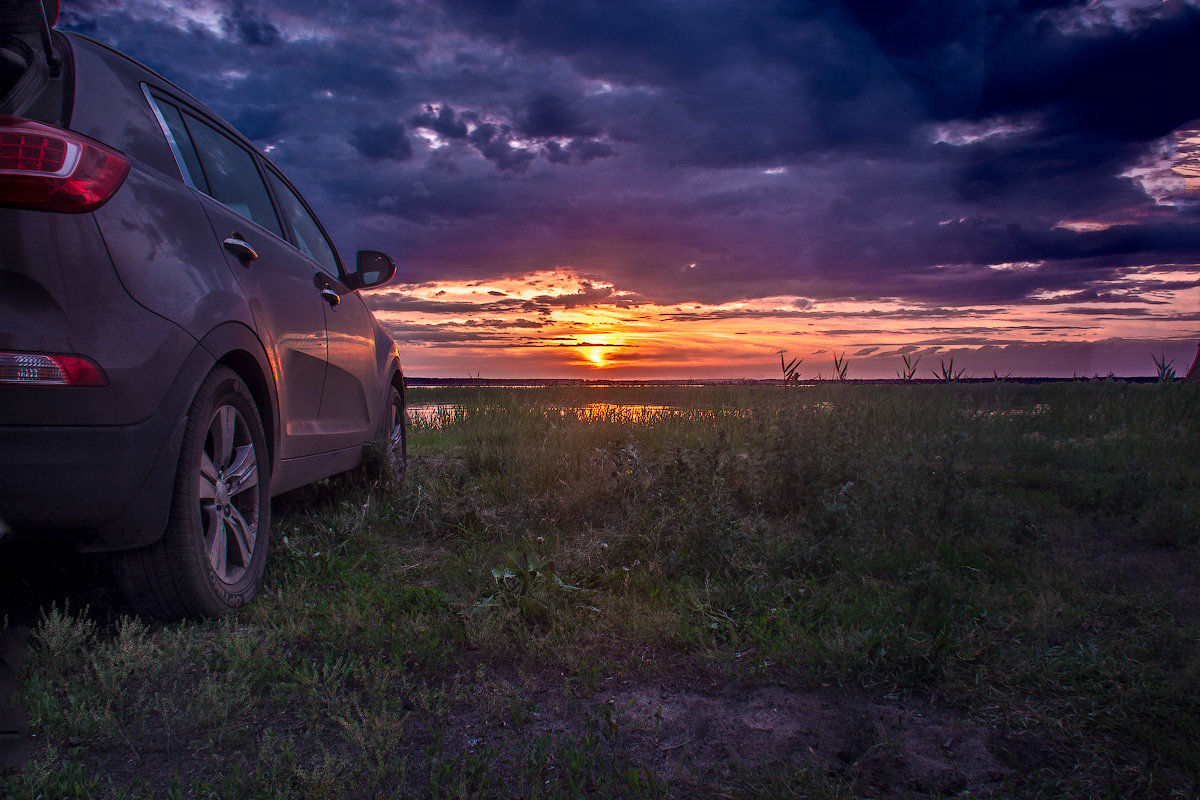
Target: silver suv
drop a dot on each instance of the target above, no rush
(179, 340)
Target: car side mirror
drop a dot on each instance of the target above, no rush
(372, 268)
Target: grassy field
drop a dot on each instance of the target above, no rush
(831, 591)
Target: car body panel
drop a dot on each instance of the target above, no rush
(348, 407)
(109, 482)
(85, 311)
(161, 242)
(106, 110)
(287, 310)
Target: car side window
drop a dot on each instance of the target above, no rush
(310, 239)
(233, 178)
(181, 143)
(215, 164)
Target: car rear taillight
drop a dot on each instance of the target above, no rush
(46, 369)
(50, 169)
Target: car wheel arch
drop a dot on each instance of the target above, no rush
(249, 370)
(397, 380)
(237, 347)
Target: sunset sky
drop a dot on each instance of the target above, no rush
(656, 189)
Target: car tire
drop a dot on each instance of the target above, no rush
(211, 558)
(394, 433)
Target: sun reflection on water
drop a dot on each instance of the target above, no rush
(440, 415)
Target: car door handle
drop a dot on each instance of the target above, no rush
(240, 248)
(330, 296)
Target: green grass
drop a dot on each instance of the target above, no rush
(1023, 557)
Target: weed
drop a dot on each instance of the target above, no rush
(54, 774)
(910, 369)
(528, 582)
(947, 374)
(791, 370)
(64, 637)
(384, 465)
(840, 365)
(1165, 368)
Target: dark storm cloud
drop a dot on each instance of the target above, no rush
(382, 140)
(389, 301)
(577, 151)
(504, 323)
(713, 151)
(551, 115)
(588, 295)
(509, 149)
(1108, 313)
(936, 46)
(1110, 81)
(590, 344)
(467, 336)
(262, 124)
(1096, 296)
(507, 157)
(250, 27)
(460, 335)
(740, 86)
(897, 314)
(443, 122)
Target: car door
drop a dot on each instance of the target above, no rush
(352, 390)
(281, 287)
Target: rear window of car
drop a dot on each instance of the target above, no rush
(181, 142)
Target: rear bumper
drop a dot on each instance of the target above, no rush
(107, 487)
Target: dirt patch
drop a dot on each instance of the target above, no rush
(703, 736)
(889, 744)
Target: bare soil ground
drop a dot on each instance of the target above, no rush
(700, 732)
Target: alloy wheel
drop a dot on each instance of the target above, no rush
(229, 496)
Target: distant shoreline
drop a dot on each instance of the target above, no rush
(418, 382)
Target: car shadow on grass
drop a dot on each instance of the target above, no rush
(37, 576)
